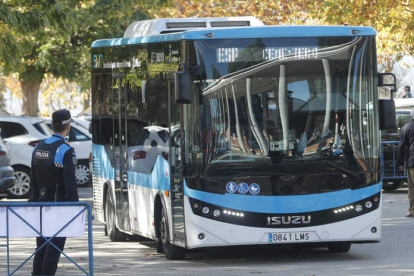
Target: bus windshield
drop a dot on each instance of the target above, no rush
(274, 105)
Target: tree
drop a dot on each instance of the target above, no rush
(393, 20)
(51, 36)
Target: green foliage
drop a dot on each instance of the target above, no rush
(54, 36)
(393, 20)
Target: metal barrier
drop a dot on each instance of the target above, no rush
(393, 176)
(10, 208)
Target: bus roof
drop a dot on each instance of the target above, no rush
(242, 32)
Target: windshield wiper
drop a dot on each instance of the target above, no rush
(336, 166)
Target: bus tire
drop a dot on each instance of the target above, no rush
(113, 233)
(392, 186)
(171, 251)
(339, 247)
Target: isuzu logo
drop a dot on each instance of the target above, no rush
(286, 220)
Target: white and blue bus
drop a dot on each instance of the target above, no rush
(212, 132)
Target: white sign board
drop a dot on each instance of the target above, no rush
(52, 219)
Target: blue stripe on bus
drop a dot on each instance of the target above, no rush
(240, 33)
(105, 167)
(284, 204)
(158, 179)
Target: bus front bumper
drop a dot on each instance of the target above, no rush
(204, 232)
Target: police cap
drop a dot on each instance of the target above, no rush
(61, 117)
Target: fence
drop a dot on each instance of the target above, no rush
(388, 162)
(45, 219)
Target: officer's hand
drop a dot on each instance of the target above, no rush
(67, 142)
(401, 168)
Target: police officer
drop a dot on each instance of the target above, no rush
(405, 156)
(52, 178)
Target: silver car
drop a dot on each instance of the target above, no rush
(7, 179)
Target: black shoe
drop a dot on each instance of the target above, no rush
(37, 273)
(409, 215)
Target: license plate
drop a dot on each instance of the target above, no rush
(290, 237)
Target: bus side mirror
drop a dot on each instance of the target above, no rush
(387, 114)
(183, 85)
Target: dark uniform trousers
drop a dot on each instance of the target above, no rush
(47, 258)
(48, 174)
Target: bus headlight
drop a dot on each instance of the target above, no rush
(368, 204)
(358, 208)
(206, 210)
(216, 213)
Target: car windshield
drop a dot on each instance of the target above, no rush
(43, 128)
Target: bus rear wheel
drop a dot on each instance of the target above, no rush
(339, 247)
(171, 252)
(113, 232)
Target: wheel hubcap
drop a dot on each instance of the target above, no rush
(163, 230)
(82, 174)
(22, 185)
(110, 216)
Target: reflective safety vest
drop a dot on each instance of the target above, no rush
(48, 165)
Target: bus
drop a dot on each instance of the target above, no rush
(211, 132)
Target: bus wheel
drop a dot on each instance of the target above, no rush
(339, 247)
(392, 186)
(113, 233)
(171, 252)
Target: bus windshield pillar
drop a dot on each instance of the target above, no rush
(283, 106)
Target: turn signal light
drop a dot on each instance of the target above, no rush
(139, 154)
(34, 143)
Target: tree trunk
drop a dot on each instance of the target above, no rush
(30, 90)
(86, 100)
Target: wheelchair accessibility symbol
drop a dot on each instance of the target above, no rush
(243, 188)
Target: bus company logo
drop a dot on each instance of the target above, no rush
(286, 220)
(254, 188)
(42, 154)
(231, 187)
(243, 188)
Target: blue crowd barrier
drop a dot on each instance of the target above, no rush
(11, 208)
(395, 171)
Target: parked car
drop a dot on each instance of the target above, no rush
(20, 135)
(81, 140)
(7, 179)
(83, 122)
(150, 143)
(393, 178)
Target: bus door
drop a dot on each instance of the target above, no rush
(177, 189)
(121, 161)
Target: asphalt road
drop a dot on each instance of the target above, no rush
(392, 256)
